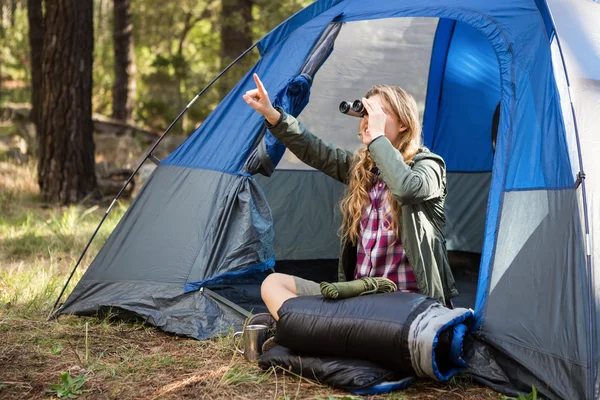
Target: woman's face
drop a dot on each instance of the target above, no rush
(393, 128)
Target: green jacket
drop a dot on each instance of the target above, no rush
(420, 186)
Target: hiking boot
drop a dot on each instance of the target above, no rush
(263, 319)
(268, 344)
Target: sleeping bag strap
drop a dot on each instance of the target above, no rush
(226, 302)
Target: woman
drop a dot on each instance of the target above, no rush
(393, 209)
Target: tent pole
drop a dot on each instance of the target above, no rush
(148, 155)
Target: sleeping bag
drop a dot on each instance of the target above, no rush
(356, 376)
(406, 333)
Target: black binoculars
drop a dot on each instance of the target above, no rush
(354, 109)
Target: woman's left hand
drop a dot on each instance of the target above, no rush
(376, 121)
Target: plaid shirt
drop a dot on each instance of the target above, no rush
(378, 255)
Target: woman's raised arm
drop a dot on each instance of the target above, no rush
(309, 148)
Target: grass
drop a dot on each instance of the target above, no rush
(39, 246)
(69, 387)
(103, 358)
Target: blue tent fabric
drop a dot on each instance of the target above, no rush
(437, 68)
(517, 35)
(291, 24)
(292, 99)
(228, 153)
(470, 81)
(484, 53)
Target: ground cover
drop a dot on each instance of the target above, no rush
(101, 358)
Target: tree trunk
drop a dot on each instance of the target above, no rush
(124, 86)
(66, 170)
(236, 37)
(36, 44)
(13, 11)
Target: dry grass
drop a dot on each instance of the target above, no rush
(118, 360)
(124, 361)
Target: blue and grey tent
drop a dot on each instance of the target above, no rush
(190, 252)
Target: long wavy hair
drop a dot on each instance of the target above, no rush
(403, 107)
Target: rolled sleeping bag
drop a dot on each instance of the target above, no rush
(410, 334)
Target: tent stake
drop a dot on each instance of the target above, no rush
(53, 314)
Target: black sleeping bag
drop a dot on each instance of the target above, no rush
(338, 372)
(409, 334)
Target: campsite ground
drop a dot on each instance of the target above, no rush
(111, 359)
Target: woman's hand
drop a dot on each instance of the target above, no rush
(376, 119)
(259, 100)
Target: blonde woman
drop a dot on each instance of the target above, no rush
(393, 209)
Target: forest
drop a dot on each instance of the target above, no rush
(133, 64)
(150, 57)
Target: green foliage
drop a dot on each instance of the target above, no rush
(30, 234)
(460, 381)
(39, 247)
(68, 387)
(14, 54)
(396, 396)
(103, 68)
(238, 374)
(177, 53)
(533, 395)
(268, 14)
(56, 349)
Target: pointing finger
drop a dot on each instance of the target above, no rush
(259, 84)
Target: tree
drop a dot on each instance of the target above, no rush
(36, 44)
(236, 37)
(124, 86)
(66, 169)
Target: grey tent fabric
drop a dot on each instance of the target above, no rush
(305, 207)
(176, 216)
(539, 275)
(577, 27)
(211, 223)
(395, 51)
(167, 307)
(466, 210)
(322, 49)
(497, 369)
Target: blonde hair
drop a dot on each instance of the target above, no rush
(403, 107)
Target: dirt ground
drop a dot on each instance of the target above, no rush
(126, 361)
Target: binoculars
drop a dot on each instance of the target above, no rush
(354, 109)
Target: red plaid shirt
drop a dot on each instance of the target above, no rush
(378, 254)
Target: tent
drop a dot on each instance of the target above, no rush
(190, 252)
